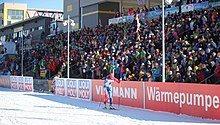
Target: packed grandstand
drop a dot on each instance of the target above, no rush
(192, 50)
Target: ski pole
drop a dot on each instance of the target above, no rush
(119, 97)
(100, 100)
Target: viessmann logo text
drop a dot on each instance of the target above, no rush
(206, 101)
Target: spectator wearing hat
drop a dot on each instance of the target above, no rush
(157, 73)
(149, 77)
(169, 77)
(132, 77)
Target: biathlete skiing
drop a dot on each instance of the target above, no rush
(109, 80)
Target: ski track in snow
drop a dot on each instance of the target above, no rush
(25, 108)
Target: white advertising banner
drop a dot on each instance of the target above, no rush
(28, 84)
(77, 88)
(85, 89)
(72, 90)
(20, 83)
(187, 7)
(14, 82)
(116, 20)
(60, 86)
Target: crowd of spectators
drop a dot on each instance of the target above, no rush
(192, 50)
(9, 67)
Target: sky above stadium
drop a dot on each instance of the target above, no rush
(39, 4)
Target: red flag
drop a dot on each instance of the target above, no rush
(117, 80)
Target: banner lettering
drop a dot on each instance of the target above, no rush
(20, 83)
(84, 89)
(71, 87)
(14, 82)
(28, 83)
(60, 86)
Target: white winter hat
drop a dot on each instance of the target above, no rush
(189, 68)
(170, 72)
(214, 54)
(207, 50)
(212, 63)
(177, 69)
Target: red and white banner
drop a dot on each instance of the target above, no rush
(60, 86)
(161, 101)
(199, 100)
(20, 83)
(28, 83)
(71, 85)
(129, 94)
(14, 82)
(79, 88)
(84, 89)
(181, 98)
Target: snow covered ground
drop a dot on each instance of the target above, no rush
(24, 108)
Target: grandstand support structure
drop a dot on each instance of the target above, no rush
(22, 56)
(68, 22)
(163, 42)
(24, 34)
(56, 14)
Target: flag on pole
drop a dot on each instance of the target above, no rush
(138, 28)
(138, 23)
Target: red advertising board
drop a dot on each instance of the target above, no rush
(159, 97)
(200, 100)
(182, 98)
(131, 93)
